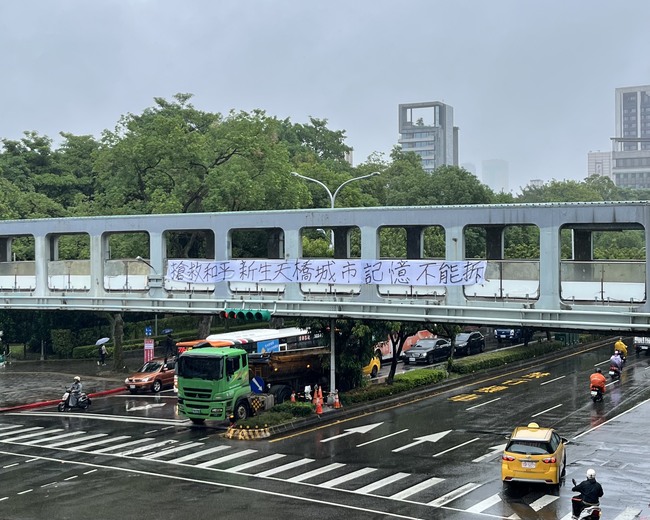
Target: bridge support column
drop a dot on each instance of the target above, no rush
(583, 247)
(40, 264)
(414, 246)
(341, 242)
(494, 242)
(5, 249)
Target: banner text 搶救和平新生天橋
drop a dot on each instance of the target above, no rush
(329, 271)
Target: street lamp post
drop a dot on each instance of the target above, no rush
(336, 192)
(140, 259)
(333, 320)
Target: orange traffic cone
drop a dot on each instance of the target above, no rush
(320, 393)
(337, 403)
(293, 397)
(319, 407)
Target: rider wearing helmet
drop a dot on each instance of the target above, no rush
(621, 347)
(590, 492)
(616, 360)
(75, 391)
(597, 380)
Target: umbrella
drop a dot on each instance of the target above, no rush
(167, 331)
(102, 341)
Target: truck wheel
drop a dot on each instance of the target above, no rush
(281, 393)
(241, 411)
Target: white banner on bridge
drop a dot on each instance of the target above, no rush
(329, 271)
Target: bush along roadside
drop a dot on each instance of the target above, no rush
(286, 413)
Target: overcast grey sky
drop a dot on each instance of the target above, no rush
(531, 82)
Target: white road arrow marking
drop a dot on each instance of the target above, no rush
(360, 429)
(434, 437)
(494, 450)
(145, 407)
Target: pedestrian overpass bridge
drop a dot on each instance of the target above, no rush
(76, 264)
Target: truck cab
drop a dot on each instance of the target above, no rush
(213, 384)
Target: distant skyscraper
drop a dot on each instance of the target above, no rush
(631, 141)
(495, 174)
(599, 163)
(428, 130)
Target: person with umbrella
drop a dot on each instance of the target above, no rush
(101, 348)
(170, 344)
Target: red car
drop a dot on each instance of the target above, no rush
(153, 376)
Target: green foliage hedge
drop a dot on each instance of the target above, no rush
(502, 357)
(280, 414)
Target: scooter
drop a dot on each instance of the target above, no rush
(83, 401)
(586, 512)
(614, 372)
(596, 394)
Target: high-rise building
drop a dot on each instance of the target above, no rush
(495, 174)
(631, 141)
(428, 130)
(599, 163)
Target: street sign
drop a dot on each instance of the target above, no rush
(148, 349)
(147, 330)
(257, 385)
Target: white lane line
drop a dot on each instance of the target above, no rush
(173, 450)
(453, 495)
(285, 467)
(482, 404)
(114, 418)
(10, 465)
(345, 478)
(382, 438)
(226, 458)
(316, 472)
(543, 502)
(456, 447)
(3, 498)
(426, 484)
(547, 410)
(26, 491)
(367, 490)
(10, 426)
(494, 451)
(197, 454)
(258, 462)
(35, 434)
(71, 478)
(89, 471)
(485, 504)
(552, 380)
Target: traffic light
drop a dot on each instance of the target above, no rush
(245, 314)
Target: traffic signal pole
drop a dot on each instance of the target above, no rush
(332, 357)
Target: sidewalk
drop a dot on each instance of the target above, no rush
(25, 382)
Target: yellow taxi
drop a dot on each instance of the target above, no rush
(372, 368)
(534, 454)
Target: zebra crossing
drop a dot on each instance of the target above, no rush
(369, 481)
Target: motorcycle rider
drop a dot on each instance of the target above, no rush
(590, 492)
(75, 391)
(621, 347)
(597, 380)
(616, 361)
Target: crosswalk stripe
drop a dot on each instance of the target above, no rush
(197, 454)
(5, 434)
(381, 483)
(141, 449)
(100, 442)
(542, 502)
(285, 467)
(453, 495)
(122, 445)
(72, 441)
(173, 450)
(225, 458)
(484, 504)
(36, 434)
(417, 488)
(258, 462)
(316, 472)
(346, 478)
(46, 442)
(10, 426)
